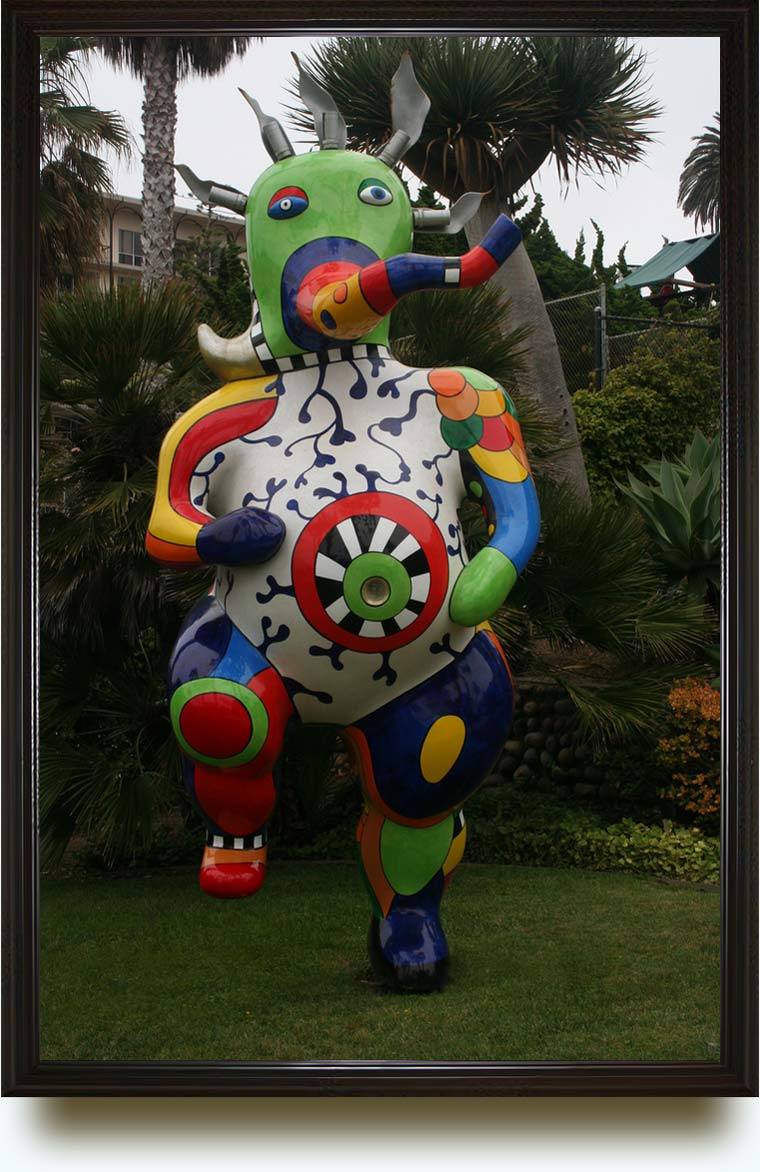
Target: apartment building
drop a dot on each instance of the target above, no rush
(121, 255)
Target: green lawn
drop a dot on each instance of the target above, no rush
(565, 965)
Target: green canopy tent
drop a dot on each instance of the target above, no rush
(701, 256)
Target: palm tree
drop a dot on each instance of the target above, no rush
(116, 367)
(115, 370)
(73, 176)
(699, 188)
(502, 106)
(162, 62)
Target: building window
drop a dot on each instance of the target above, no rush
(130, 247)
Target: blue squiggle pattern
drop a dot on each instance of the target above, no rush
(294, 688)
(405, 474)
(322, 493)
(218, 459)
(436, 500)
(390, 386)
(272, 488)
(396, 425)
(272, 441)
(293, 506)
(336, 430)
(455, 549)
(436, 461)
(279, 636)
(359, 389)
(444, 647)
(385, 671)
(333, 653)
(275, 589)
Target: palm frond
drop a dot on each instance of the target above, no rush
(201, 56)
(500, 106)
(699, 186)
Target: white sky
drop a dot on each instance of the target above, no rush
(217, 136)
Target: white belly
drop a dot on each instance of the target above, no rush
(354, 464)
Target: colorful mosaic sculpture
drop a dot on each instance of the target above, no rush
(322, 480)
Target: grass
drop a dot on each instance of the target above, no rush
(563, 965)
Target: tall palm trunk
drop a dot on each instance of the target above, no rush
(542, 378)
(159, 126)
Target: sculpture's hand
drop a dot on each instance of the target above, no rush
(243, 537)
(482, 587)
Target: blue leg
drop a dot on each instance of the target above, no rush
(419, 758)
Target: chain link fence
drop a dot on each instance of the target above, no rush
(573, 322)
(592, 342)
(619, 348)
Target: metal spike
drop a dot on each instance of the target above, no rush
(450, 220)
(274, 138)
(216, 194)
(409, 109)
(328, 120)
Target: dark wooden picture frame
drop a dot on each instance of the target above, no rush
(736, 1072)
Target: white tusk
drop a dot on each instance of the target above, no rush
(230, 358)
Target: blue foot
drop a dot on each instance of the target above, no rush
(407, 949)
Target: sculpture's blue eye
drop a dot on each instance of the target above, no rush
(287, 202)
(374, 191)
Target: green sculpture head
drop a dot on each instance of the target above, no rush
(316, 218)
(328, 235)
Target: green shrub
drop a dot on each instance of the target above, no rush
(550, 836)
(650, 407)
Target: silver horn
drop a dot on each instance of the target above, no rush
(328, 120)
(409, 108)
(448, 220)
(274, 138)
(213, 193)
(229, 358)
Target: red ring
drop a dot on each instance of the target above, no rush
(377, 504)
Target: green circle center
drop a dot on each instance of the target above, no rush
(376, 586)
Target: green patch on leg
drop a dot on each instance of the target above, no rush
(412, 855)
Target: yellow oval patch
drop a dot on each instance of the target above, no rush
(441, 747)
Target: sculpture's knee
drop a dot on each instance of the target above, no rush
(222, 723)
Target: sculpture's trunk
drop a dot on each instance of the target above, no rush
(352, 307)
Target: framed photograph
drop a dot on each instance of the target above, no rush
(604, 932)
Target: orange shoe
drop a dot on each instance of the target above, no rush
(231, 874)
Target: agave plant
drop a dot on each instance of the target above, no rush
(681, 509)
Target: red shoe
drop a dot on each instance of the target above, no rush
(232, 880)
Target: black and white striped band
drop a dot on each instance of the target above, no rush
(272, 365)
(229, 842)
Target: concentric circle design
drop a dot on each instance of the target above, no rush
(370, 571)
(376, 587)
(219, 722)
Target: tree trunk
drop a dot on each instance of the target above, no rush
(159, 126)
(542, 379)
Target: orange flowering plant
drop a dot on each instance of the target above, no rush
(690, 748)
